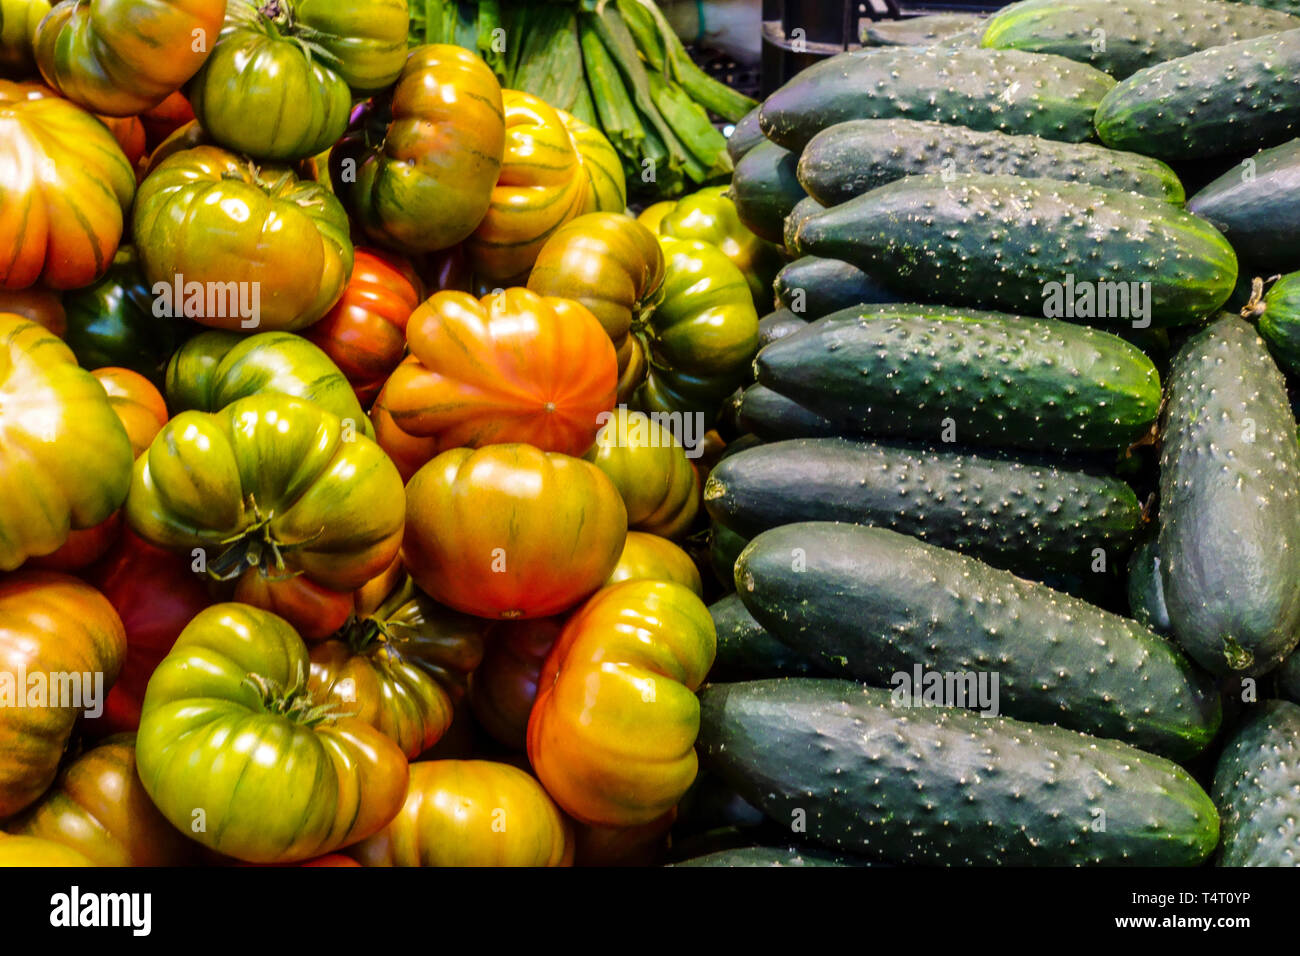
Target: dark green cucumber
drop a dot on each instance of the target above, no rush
(974, 378)
(765, 187)
(1255, 787)
(770, 856)
(1003, 90)
(852, 158)
(1016, 516)
(1287, 678)
(932, 30)
(1121, 37)
(1257, 206)
(936, 786)
(1146, 596)
(772, 417)
(744, 136)
(1230, 503)
(724, 547)
(804, 209)
(747, 652)
(1278, 315)
(812, 287)
(871, 603)
(777, 325)
(1220, 102)
(1031, 246)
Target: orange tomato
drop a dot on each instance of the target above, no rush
(139, 405)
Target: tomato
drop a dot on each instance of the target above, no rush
(710, 216)
(129, 133)
(502, 689)
(65, 188)
(541, 187)
(33, 851)
(651, 216)
(238, 754)
(612, 733)
(112, 322)
(58, 638)
(209, 218)
(277, 84)
(396, 665)
(42, 306)
(331, 859)
(98, 807)
(365, 332)
(312, 609)
(509, 531)
(643, 845)
(649, 467)
(614, 266)
(270, 485)
(408, 452)
(472, 813)
(164, 119)
(138, 405)
(445, 269)
(216, 368)
(703, 336)
(603, 169)
(648, 557)
(155, 594)
(119, 57)
(18, 21)
(418, 164)
(67, 457)
(513, 367)
(83, 548)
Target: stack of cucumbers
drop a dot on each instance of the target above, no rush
(1014, 530)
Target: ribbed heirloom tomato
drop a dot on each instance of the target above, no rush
(601, 165)
(612, 733)
(231, 738)
(648, 557)
(508, 531)
(510, 367)
(65, 189)
(472, 813)
(138, 405)
(502, 689)
(18, 22)
(649, 467)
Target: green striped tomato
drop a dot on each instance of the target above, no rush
(649, 467)
(606, 184)
(18, 21)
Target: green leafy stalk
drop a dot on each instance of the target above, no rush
(618, 117)
(707, 146)
(704, 89)
(551, 62)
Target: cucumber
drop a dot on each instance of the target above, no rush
(931, 30)
(1287, 678)
(1255, 786)
(1121, 38)
(812, 287)
(777, 325)
(745, 135)
(1219, 102)
(1257, 206)
(804, 209)
(772, 417)
(871, 603)
(1230, 503)
(1146, 596)
(724, 547)
(852, 158)
(765, 187)
(1013, 515)
(747, 652)
(936, 786)
(1024, 245)
(1278, 315)
(1003, 90)
(770, 856)
(976, 378)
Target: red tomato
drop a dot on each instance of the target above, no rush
(83, 548)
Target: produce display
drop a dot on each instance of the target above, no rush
(465, 433)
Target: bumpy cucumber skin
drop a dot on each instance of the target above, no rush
(1010, 514)
(1146, 595)
(1280, 322)
(804, 209)
(1230, 503)
(813, 287)
(1255, 786)
(768, 856)
(1220, 102)
(777, 325)
(852, 158)
(915, 371)
(948, 787)
(1257, 206)
(933, 30)
(765, 188)
(745, 136)
(747, 652)
(1003, 90)
(772, 417)
(996, 241)
(1135, 35)
(869, 602)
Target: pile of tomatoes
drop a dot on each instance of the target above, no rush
(319, 360)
